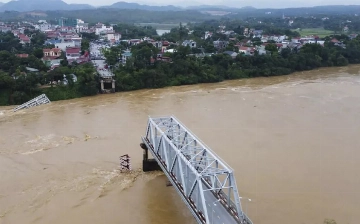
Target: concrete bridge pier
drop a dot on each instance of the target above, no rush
(148, 164)
(107, 84)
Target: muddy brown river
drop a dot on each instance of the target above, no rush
(293, 142)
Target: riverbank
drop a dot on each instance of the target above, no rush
(58, 93)
(184, 68)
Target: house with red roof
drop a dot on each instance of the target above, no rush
(52, 34)
(164, 46)
(245, 50)
(24, 39)
(51, 56)
(53, 52)
(335, 41)
(73, 53)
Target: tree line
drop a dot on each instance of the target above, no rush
(141, 72)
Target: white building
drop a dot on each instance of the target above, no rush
(101, 28)
(190, 43)
(208, 34)
(82, 26)
(43, 27)
(65, 45)
(113, 36)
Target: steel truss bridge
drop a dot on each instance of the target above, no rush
(205, 183)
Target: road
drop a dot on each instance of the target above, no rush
(95, 52)
(100, 67)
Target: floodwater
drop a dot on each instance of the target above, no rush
(293, 142)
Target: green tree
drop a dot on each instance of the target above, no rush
(38, 53)
(272, 48)
(143, 53)
(85, 45)
(87, 79)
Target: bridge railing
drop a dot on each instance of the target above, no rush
(197, 172)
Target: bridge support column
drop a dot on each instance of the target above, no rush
(113, 86)
(148, 164)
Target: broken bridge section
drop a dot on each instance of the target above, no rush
(205, 183)
(42, 99)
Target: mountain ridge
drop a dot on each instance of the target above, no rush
(129, 5)
(25, 5)
(60, 5)
(54, 5)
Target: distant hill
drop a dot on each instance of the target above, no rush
(207, 7)
(249, 8)
(31, 5)
(79, 6)
(240, 12)
(127, 5)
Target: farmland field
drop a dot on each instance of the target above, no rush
(314, 31)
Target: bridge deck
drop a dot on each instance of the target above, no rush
(205, 182)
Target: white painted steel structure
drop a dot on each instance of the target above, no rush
(205, 182)
(42, 99)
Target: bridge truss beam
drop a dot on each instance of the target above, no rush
(196, 172)
(42, 99)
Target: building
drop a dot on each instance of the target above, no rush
(5, 29)
(112, 36)
(54, 52)
(165, 45)
(51, 62)
(73, 53)
(189, 43)
(157, 44)
(52, 41)
(220, 44)
(43, 27)
(80, 27)
(208, 34)
(24, 39)
(71, 22)
(231, 53)
(64, 45)
(126, 55)
(101, 28)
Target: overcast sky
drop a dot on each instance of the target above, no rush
(232, 3)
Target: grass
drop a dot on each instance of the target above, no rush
(314, 31)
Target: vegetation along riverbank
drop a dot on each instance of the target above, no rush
(191, 54)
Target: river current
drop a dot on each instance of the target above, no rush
(293, 142)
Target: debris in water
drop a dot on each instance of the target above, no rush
(87, 137)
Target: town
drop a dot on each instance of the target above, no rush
(119, 58)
